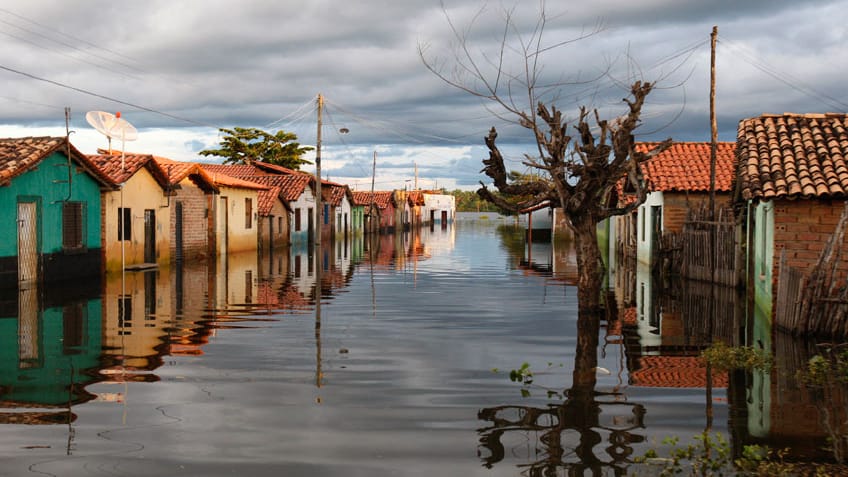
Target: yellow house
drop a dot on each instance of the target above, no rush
(236, 209)
(135, 218)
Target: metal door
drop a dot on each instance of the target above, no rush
(27, 243)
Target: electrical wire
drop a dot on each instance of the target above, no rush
(107, 98)
(783, 77)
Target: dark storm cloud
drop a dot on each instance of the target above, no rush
(254, 63)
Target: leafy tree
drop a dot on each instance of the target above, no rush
(245, 145)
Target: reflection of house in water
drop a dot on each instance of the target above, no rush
(137, 312)
(556, 259)
(48, 351)
(666, 329)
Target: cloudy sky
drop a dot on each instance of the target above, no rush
(179, 71)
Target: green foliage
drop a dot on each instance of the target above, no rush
(711, 455)
(522, 375)
(245, 145)
(829, 367)
(469, 201)
(726, 358)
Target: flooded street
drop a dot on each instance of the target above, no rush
(230, 368)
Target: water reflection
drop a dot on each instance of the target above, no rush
(49, 352)
(663, 324)
(397, 337)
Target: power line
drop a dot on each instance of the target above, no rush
(108, 98)
(783, 77)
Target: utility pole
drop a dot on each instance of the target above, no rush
(371, 208)
(713, 125)
(319, 207)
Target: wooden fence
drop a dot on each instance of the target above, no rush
(815, 303)
(707, 248)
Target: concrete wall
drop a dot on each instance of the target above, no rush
(232, 228)
(140, 193)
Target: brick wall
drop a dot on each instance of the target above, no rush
(676, 205)
(195, 217)
(802, 228)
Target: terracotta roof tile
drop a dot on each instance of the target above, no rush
(119, 169)
(793, 155)
(234, 170)
(179, 170)
(416, 197)
(226, 180)
(19, 155)
(674, 372)
(685, 166)
(381, 198)
(333, 193)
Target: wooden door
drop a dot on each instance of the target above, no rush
(149, 236)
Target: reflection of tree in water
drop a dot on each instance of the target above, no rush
(567, 433)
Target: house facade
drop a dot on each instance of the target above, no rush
(136, 217)
(191, 196)
(791, 188)
(337, 211)
(235, 209)
(50, 225)
(439, 209)
(379, 210)
(677, 181)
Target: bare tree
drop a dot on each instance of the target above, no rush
(581, 172)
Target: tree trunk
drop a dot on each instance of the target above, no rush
(590, 271)
(589, 264)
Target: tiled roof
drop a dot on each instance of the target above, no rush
(793, 155)
(382, 199)
(226, 180)
(119, 168)
(266, 200)
(253, 169)
(179, 170)
(675, 372)
(685, 166)
(332, 193)
(234, 170)
(19, 155)
(290, 187)
(416, 197)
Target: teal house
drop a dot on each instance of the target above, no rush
(49, 212)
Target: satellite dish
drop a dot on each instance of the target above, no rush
(111, 125)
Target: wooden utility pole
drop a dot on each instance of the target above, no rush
(713, 125)
(371, 208)
(319, 207)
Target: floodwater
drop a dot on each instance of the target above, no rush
(401, 369)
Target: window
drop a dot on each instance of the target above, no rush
(124, 223)
(326, 214)
(248, 213)
(279, 225)
(297, 220)
(72, 225)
